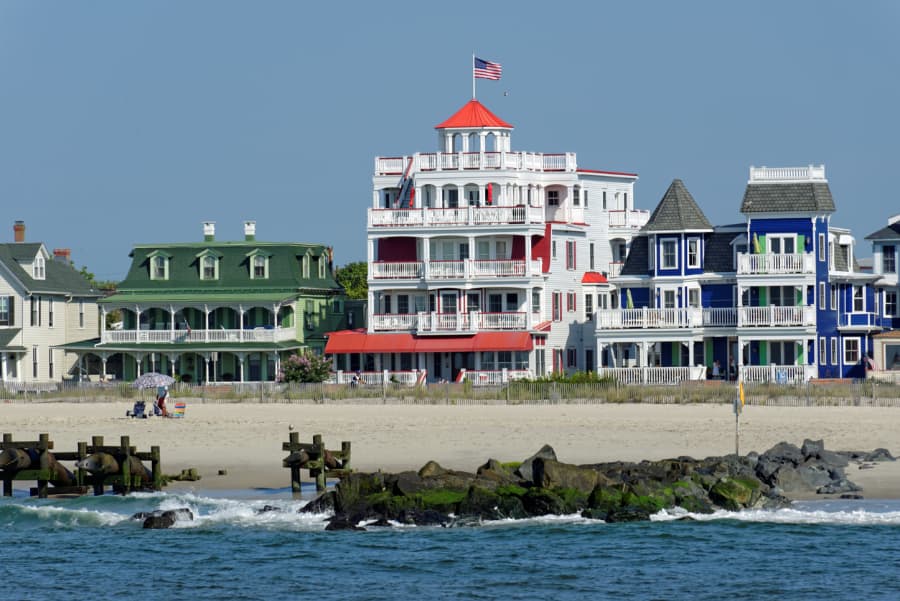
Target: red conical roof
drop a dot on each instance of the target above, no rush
(473, 114)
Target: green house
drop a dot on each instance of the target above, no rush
(217, 311)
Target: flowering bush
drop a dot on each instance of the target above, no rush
(306, 367)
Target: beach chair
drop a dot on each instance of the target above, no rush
(180, 407)
(139, 410)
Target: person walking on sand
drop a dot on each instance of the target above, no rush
(162, 393)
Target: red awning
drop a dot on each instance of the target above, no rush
(358, 341)
(593, 277)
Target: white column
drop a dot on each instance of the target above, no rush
(171, 322)
(103, 358)
(103, 324)
(172, 357)
(2, 367)
(241, 324)
(206, 324)
(206, 366)
(691, 353)
(240, 358)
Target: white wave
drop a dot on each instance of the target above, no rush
(63, 516)
(805, 514)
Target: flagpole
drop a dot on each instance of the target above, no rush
(473, 75)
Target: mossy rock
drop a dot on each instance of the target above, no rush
(691, 496)
(511, 490)
(604, 499)
(440, 499)
(388, 505)
(540, 501)
(732, 494)
(352, 490)
(480, 503)
(573, 499)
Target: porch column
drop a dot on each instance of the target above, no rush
(171, 322)
(103, 358)
(528, 258)
(2, 367)
(739, 304)
(690, 344)
(372, 310)
(138, 359)
(241, 324)
(240, 358)
(275, 307)
(103, 324)
(206, 325)
(137, 322)
(277, 366)
(206, 366)
(172, 357)
(740, 358)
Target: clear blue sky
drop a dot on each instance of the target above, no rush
(128, 122)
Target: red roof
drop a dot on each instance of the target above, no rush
(359, 341)
(593, 277)
(473, 114)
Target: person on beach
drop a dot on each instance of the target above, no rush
(162, 393)
(716, 373)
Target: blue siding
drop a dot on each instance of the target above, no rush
(678, 253)
(799, 225)
(717, 295)
(639, 296)
(826, 319)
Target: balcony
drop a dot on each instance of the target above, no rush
(645, 318)
(461, 216)
(615, 268)
(653, 375)
(776, 264)
(863, 321)
(630, 219)
(494, 161)
(778, 374)
(425, 322)
(776, 316)
(455, 270)
(196, 336)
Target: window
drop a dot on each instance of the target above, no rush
(50, 362)
(694, 297)
(557, 309)
(821, 247)
(890, 304)
(403, 304)
(668, 299)
(588, 307)
(386, 304)
(305, 266)
(589, 360)
(553, 248)
(80, 314)
(6, 310)
(553, 198)
(576, 196)
(591, 255)
(259, 267)
(495, 303)
(834, 297)
(822, 347)
(858, 299)
(34, 362)
(159, 267)
(888, 259)
(834, 354)
(570, 254)
(570, 302)
(585, 199)
(209, 268)
(604, 199)
(38, 269)
(693, 253)
(50, 314)
(535, 301)
(822, 295)
(571, 358)
(669, 253)
(473, 302)
(512, 301)
(851, 351)
(782, 244)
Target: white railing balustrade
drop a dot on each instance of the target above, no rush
(630, 219)
(459, 216)
(777, 316)
(769, 263)
(645, 318)
(653, 375)
(720, 317)
(777, 374)
(771, 174)
(397, 270)
(615, 269)
(495, 377)
(395, 322)
(502, 321)
(518, 161)
(446, 269)
(497, 268)
(183, 336)
(456, 216)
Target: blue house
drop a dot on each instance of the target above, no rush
(778, 297)
(886, 256)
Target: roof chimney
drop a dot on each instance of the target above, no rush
(19, 230)
(249, 231)
(63, 255)
(209, 231)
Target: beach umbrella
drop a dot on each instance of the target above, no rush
(152, 380)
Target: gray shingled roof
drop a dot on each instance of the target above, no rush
(59, 276)
(891, 232)
(677, 212)
(637, 261)
(719, 253)
(814, 197)
(841, 254)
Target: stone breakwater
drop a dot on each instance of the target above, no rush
(614, 491)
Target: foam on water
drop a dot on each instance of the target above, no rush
(813, 512)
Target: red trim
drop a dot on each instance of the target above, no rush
(599, 172)
(473, 114)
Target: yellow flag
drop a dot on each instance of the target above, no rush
(741, 392)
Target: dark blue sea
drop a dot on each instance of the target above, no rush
(89, 548)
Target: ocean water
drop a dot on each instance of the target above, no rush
(89, 548)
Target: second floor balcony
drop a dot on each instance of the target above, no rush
(458, 269)
(695, 317)
(180, 336)
(460, 216)
(430, 322)
(776, 264)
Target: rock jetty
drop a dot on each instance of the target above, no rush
(613, 492)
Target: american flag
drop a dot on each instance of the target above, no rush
(486, 69)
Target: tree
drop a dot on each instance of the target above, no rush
(353, 277)
(305, 367)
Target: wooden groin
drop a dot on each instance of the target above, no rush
(121, 482)
(321, 463)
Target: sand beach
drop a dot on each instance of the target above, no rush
(245, 439)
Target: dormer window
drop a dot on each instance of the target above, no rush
(669, 254)
(209, 265)
(38, 270)
(305, 265)
(322, 267)
(259, 265)
(159, 266)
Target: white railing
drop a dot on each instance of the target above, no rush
(447, 269)
(502, 321)
(653, 375)
(769, 263)
(377, 378)
(615, 269)
(777, 374)
(648, 318)
(397, 270)
(518, 161)
(495, 377)
(804, 315)
(722, 317)
(444, 322)
(466, 215)
(390, 322)
(630, 219)
(480, 268)
(183, 336)
(786, 174)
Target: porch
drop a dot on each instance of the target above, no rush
(460, 269)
